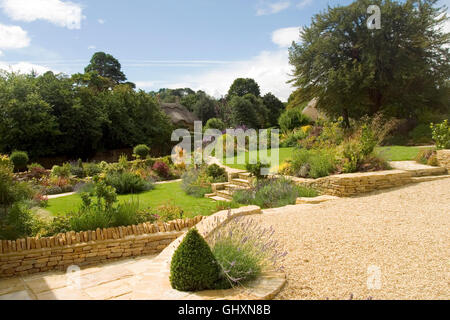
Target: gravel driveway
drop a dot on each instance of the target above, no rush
(398, 241)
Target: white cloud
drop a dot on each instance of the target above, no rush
(92, 47)
(266, 8)
(62, 13)
(13, 37)
(304, 3)
(24, 67)
(284, 37)
(270, 69)
(101, 21)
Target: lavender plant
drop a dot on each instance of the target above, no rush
(244, 250)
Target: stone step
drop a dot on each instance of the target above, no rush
(436, 171)
(233, 187)
(417, 169)
(217, 198)
(241, 182)
(429, 178)
(227, 194)
(244, 175)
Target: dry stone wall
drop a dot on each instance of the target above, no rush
(346, 185)
(33, 255)
(443, 157)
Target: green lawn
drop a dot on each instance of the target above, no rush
(163, 193)
(391, 153)
(399, 153)
(285, 154)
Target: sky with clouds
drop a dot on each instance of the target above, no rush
(201, 44)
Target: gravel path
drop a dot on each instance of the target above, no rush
(403, 232)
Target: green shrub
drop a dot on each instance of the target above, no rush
(141, 151)
(126, 214)
(291, 119)
(441, 135)
(273, 193)
(127, 182)
(193, 266)
(215, 123)
(194, 184)
(425, 155)
(18, 222)
(19, 159)
(313, 163)
(257, 170)
(91, 169)
(216, 172)
(63, 171)
(169, 212)
(292, 138)
(421, 134)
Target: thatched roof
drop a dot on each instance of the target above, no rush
(311, 111)
(179, 114)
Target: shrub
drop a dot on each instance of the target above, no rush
(194, 184)
(291, 119)
(273, 193)
(313, 163)
(193, 266)
(425, 155)
(216, 172)
(18, 222)
(168, 212)
(19, 159)
(244, 250)
(441, 135)
(421, 134)
(141, 151)
(5, 161)
(215, 123)
(292, 138)
(62, 172)
(258, 170)
(126, 214)
(91, 169)
(36, 171)
(127, 182)
(161, 168)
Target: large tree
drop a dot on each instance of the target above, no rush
(105, 65)
(205, 107)
(400, 69)
(241, 87)
(274, 107)
(248, 110)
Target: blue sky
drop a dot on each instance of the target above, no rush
(202, 44)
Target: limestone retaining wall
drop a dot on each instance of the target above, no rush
(443, 157)
(33, 255)
(346, 185)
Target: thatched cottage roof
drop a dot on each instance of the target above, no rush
(311, 111)
(179, 114)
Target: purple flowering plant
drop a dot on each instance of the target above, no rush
(244, 250)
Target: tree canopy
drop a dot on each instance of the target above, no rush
(400, 69)
(241, 87)
(106, 66)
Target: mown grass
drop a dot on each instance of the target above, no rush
(285, 154)
(162, 194)
(399, 153)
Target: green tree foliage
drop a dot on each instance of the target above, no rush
(105, 65)
(205, 107)
(248, 110)
(215, 123)
(53, 115)
(241, 87)
(274, 107)
(19, 159)
(291, 119)
(193, 266)
(355, 71)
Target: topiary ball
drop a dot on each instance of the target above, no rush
(141, 151)
(19, 159)
(193, 266)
